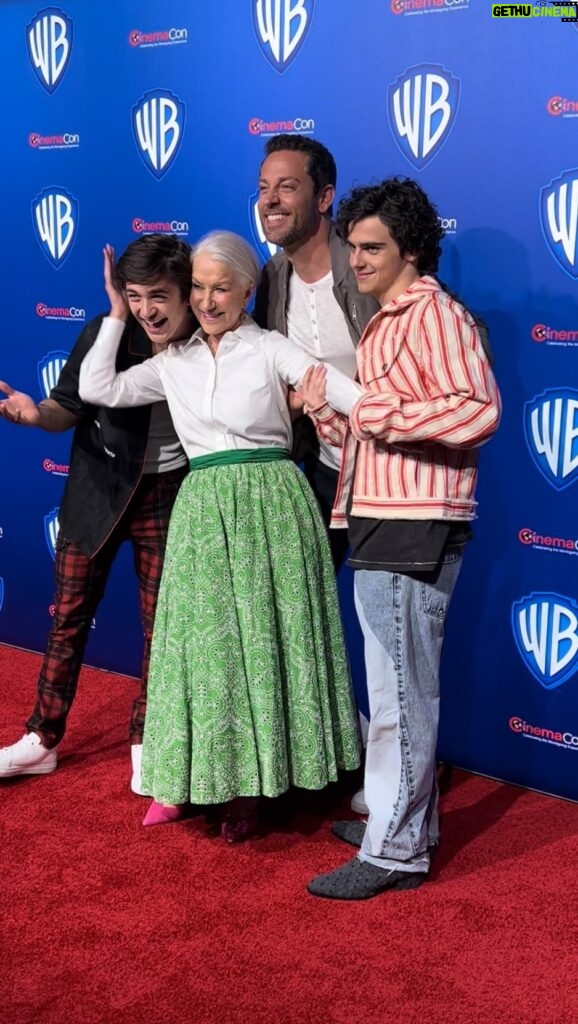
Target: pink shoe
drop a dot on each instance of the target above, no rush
(162, 814)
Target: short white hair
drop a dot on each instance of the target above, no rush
(234, 252)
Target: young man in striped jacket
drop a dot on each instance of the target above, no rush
(406, 493)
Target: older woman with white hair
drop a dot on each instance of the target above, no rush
(249, 688)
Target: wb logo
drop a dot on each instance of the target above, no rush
(422, 105)
(55, 218)
(559, 220)
(281, 27)
(551, 429)
(266, 249)
(49, 39)
(158, 122)
(49, 370)
(51, 528)
(545, 630)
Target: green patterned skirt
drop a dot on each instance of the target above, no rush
(249, 688)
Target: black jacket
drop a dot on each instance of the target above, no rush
(108, 447)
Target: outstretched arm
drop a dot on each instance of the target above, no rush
(20, 408)
(100, 384)
(292, 363)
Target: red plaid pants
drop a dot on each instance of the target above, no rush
(80, 585)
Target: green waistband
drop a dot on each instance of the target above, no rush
(235, 455)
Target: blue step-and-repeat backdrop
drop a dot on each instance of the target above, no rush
(127, 116)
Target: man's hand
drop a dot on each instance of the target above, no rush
(22, 409)
(18, 407)
(118, 304)
(313, 387)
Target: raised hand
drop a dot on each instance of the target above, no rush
(118, 304)
(313, 386)
(18, 407)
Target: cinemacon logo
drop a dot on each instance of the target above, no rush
(163, 38)
(54, 467)
(541, 540)
(542, 332)
(538, 732)
(558, 105)
(162, 227)
(412, 6)
(296, 126)
(53, 141)
(59, 312)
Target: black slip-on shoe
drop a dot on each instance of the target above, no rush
(360, 880)
(351, 832)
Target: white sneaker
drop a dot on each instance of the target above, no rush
(358, 803)
(136, 761)
(27, 757)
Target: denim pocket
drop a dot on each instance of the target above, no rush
(433, 601)
(435, 597)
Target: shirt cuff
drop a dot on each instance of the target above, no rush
(324, 413)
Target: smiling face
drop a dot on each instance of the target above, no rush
(160, 310)
(289, 209)
(218, 297)
(379, 267)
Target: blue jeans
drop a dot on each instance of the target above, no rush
(402, 620)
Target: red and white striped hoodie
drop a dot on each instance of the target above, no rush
(430, 399)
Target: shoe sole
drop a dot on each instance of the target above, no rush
(39, 769)
(413, 881)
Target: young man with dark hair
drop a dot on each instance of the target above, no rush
(126, 467)
(410, 446)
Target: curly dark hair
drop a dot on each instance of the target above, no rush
(153, 256)
(321, 165)
(403, 206)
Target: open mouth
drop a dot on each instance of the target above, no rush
(156, 325)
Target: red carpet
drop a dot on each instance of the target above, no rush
(104, 922)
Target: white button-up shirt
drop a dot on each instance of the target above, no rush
(236, 399)
(316, 324)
